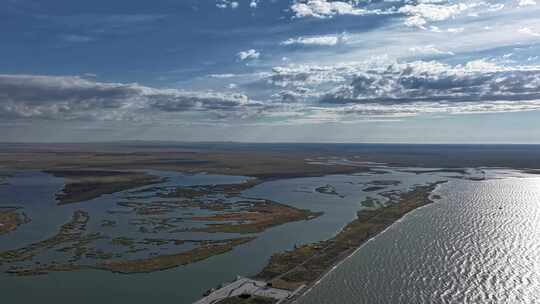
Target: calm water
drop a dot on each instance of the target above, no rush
(480, 243)
(35, 192)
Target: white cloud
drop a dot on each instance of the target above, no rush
(429, 50)
(249, 54)
(307, 75)
(325, 40)
(325, 9)
(453, 30)
(476, 81)
(526, 2)
(422, 108)
(365, 89)
(528, 31)
(422, 13)
(425, 12)
(222, 75)
(348, 91)
(226, 4)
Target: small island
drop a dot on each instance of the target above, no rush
(164, 262)
(328, 189)
(11, 218)
(84, 185)
(255, 218)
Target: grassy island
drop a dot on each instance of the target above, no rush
(11, 218)
(82, 185)
(203, 190)
(328, 189)
(164, 262)
(256, 218)
(69, 232)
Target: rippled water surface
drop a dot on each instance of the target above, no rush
(479, 243)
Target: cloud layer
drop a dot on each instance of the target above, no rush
(395, 58)
(476, 81)
(408, 89)
(72, 97)
(296, 93)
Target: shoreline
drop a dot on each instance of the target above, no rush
(338, 264)
(303, 274)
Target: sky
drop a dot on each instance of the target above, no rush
(423, 71)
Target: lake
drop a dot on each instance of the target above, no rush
(34, 191)
(479, 243)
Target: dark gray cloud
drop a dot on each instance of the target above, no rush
(73, 97)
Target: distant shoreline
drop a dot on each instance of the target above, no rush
(261, 159)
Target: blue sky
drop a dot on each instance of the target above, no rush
(270, 70)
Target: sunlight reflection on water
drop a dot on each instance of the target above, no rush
(479, 244)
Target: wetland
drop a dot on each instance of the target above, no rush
(75, 222)
(176, 220)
